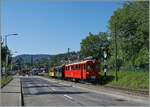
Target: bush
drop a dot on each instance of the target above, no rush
(5, 80)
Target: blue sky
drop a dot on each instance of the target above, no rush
(52, 27)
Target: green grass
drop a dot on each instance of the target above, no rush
(132, 80)
(5, 80)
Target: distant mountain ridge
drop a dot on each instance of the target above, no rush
(57, 59)
(27, 58)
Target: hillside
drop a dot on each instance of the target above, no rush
(45, 59)
(28, 58)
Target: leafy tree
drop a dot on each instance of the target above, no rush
(130, 23)
(93, 45)
(5, 51)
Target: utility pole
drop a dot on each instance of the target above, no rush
(6, 60)
(116, 53)
(68, 55)
(0, 58)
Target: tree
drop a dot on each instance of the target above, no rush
(93, 45)
(5, 51)
(131, 23)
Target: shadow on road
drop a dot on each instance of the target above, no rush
(37, 86)
(54, 92)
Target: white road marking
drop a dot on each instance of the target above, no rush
(53, 89)
(68, 96)
(33, 90)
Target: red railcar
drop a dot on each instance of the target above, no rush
(84, 70)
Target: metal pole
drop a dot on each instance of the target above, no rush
(68, 55)
(0, 58)
(6, 60)
(116, 53)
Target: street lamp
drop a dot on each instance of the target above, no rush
(6, 60)
(8, 36)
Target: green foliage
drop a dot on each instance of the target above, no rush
(5, 80)
(142, 57)
(128, 79)
(42, 63)
(93, 45)
(5, 51)
(130, 24)
(28, 61)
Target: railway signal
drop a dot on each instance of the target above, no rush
(105, 62)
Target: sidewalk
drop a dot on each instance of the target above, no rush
(11, 93)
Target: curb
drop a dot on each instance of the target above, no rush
(20, 98)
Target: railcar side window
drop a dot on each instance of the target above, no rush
(88, 67)
(76, 66)
(71, 67)
(84, 66)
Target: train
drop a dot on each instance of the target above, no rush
(87, 70)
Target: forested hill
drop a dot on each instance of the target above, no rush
(45, 59)
(27, 58)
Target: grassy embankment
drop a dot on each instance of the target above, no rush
(132, 80)
(5, 80)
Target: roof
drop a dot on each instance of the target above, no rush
(80, 62)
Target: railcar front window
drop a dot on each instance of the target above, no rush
(93, 67)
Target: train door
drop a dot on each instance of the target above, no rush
(81, 68)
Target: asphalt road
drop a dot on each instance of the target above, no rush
(39, 92)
